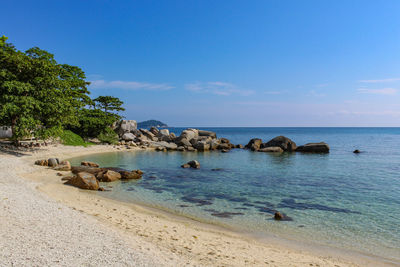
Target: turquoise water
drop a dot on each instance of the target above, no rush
(339, 199)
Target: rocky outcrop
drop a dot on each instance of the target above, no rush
(125, 126)
(84, 180)
(281, 141)
(314, 148)
(108, 176)
(254, 144)
(128, 137)
(90, 164)
(191, 164)
(207, 133)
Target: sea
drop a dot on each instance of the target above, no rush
(338, 200)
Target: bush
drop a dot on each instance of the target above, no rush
(70, 138)
(108, 136)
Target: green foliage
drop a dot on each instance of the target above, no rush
(37, 95)
(109, 103)
(108, 136)
(70, 138)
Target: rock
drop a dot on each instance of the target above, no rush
(254, 144)
(185, 166)
(94, 141)
(84, 180)
(92, 170)
(90, 164)
(52, 162)
(281, 141)
(202, 146)
(148, 134)
(108, 176)
(314, 148)
(189, 134)
(63, 166)
(164, 132)
(223, 146)
(180, 148)
(101, 189)
(214, 144)
(271, 149)
(169, 146)
(136, 174)
(161, 148)
(183, 142)
(42, 162)
(128, 137)
(192, 164)
(224, 141)
(225, 150)
(239, 146)
(207, 133)
(278, 216)
(154, 130)
(164, 135)
(126, 126)
(66, 178)
(356, 151)
(192, 149)
(59, 174)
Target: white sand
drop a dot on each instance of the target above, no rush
(46, 223)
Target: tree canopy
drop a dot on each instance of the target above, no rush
(40, 97)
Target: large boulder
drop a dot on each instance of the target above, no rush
(108, 176)
(181, 141)
(163, 135)
(52, 162)
(202, 146)
(89, 163)
(224, 146)
(148, 134)
(189, 134)
(154, 130)
(254, 144)
(314, 148)
(271, 149)
(207, 133)
(63, 166)
(42, 162)
(128, 137)
(281, 141)
(84, 180)
(127, 175)
(214, 144)
(192, 164)
(169, 146)
(126, 126)
(92, 170)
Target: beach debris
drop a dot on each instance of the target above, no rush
(108, 176)
(135, 174)
(314, 148)
(52, 162)
(356, 151)
(90, 164)
(192, 164)
(84, 180)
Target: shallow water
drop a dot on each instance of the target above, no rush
(340, 199)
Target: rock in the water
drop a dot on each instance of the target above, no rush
(136, 174)
(278, 216)
(224, 141)
(223, 146)
(189, 134)
(192, 164)
(108, 176)
(180, 148)
(207, 133)
(90, 164)
(239, 146)
(63, 166)
(271, 149)
(52, 162)
(254, 144)
(225, 150)
(84, 180)
(202, 146)
(314, 148)
(185, 166)
(281, 141)
(166, 145)
(42, 162)
(128, 137)
(356, 151)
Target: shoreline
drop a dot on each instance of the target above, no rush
(196, 242)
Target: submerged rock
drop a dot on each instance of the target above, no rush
(281, 217)
(314, 148)
(84, 180)
(192, 164)
(136, 174)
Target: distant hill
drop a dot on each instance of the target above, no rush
(150, 123)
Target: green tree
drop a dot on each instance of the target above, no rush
(109, 103)
(37, 95)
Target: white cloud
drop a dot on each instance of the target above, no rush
(383, 91)
(217, 88)
(129, 85)
(380, 81)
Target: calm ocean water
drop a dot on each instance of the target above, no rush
(339, 199)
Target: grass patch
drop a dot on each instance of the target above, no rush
(69, 138)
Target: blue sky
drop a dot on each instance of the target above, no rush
(227, 63)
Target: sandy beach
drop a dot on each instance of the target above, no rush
(46, 223)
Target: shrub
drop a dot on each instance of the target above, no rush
(70, 138)
(108, 136)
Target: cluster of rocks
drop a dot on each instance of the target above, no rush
(162, 140)
(192, 164)
(284, 144)
(89, 174)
